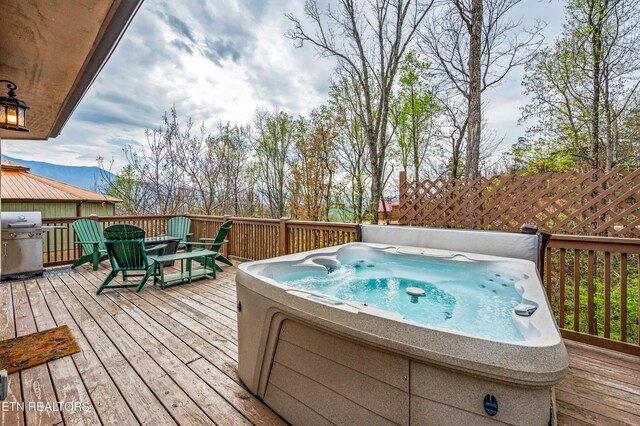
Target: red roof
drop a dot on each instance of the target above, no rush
(388, 205)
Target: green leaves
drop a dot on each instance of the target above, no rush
(583, 89)
(413, 110)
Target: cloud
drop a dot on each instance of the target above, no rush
(220, 49)
(180, 27)
(182, 46)
(122, 143)
(214, 61)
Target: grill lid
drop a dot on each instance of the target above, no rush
(16, 220)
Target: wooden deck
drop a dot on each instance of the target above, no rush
(169, 357)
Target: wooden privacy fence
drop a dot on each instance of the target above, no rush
(591, 203)
(592, 282)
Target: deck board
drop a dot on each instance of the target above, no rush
(66, 379)
(8, 331)
(107, 400)
(170, 357)
(209, 401)
(36, 381)
(142, 401)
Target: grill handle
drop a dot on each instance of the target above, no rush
(22, 225)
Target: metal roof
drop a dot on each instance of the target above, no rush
(19, 184)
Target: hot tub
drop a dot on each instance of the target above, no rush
(380, 333)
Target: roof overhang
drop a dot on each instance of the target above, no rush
(53, 51)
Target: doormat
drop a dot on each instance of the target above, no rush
(50, 272)
(37, 348)
(58, 272)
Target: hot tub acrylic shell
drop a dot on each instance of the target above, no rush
(312, 361)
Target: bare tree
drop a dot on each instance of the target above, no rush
(232, 145)
(164, 183)
(475, 44)
(368, 40)
(351, 147)
(453, 130)
(200, 164)
(274, 136)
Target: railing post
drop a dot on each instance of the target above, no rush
(283, 237)
(226, 248)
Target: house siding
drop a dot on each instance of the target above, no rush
(100, 209)
(59, 209)
(48, 210)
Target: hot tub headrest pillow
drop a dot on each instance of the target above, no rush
(494, 243)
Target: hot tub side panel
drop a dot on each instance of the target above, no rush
(339, 380)
(446, 397)
(311, 376)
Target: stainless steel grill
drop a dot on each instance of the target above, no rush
(21, 252)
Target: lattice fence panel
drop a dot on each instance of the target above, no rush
(589, 203)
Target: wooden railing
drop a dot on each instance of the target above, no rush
(592, 284)
(59, 246)
(256, 239)
(302, 236)
(595, 299)
(249, 238)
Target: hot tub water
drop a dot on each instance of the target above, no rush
(460, 296)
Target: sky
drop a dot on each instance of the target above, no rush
(221, 63)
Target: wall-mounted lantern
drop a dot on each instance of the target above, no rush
(13, 111)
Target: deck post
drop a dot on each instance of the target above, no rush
(283, 236)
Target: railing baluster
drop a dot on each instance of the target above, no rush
(576, 290)
(623, 297)
(607, 294)
(590, 292)
(562, 285)
(55, 245)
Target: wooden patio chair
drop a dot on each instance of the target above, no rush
(214, 244)
(89, 232)
(127, 253)
(179, 227)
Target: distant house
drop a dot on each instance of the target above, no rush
(24, 191)
(388, 211)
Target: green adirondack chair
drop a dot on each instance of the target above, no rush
(89, 232)
(214, 244)
(179, 227)
(127, 253)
